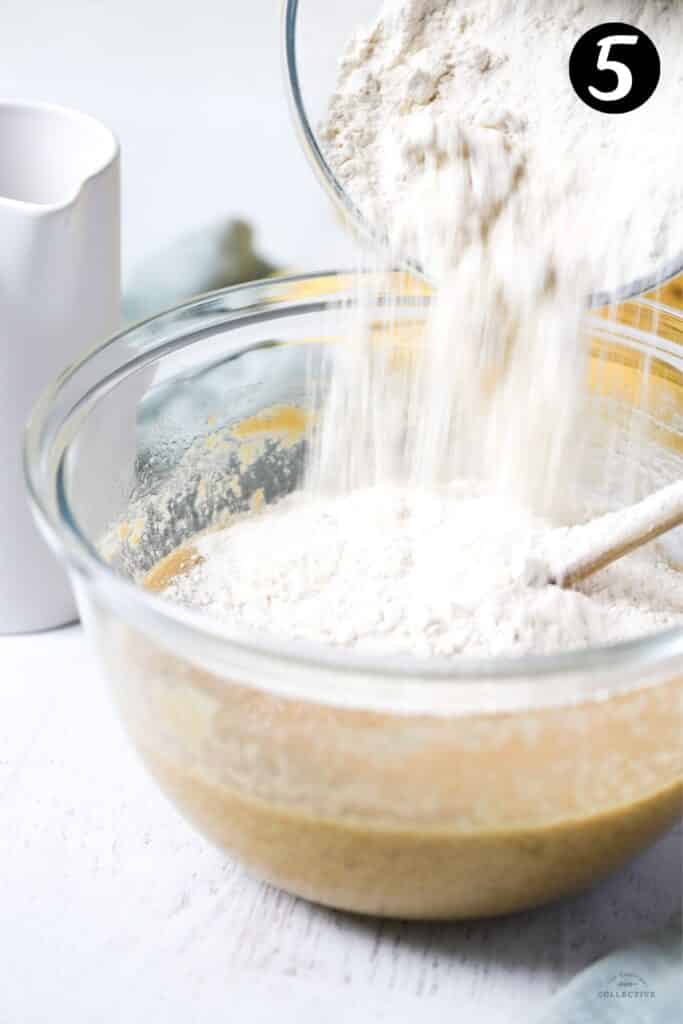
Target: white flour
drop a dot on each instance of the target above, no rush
(456, 130)
(428, 74)
(408, 572)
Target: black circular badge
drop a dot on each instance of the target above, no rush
(614, 68)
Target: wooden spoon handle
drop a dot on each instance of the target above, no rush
(612, 536)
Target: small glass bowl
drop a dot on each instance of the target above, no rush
(394, 786)
(310, 77)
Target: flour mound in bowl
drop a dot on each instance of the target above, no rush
(398, 571)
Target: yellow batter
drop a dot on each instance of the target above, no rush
(408, 815)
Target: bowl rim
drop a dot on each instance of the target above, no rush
(348, 209)
(596, 671)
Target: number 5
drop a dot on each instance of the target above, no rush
(623, 73)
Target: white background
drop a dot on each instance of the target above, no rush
(111, 909)
(193, 89)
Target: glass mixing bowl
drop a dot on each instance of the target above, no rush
(314, 36)
(389, 786)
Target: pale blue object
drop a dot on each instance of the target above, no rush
(200, 261)
(641, 984)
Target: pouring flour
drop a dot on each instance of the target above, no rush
(436, 468)
(517, 201)
(430, 80)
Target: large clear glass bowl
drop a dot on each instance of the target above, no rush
(314, 35)
(382, 785)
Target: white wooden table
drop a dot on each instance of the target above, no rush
(114, 911)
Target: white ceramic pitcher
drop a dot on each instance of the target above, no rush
(59, 294)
